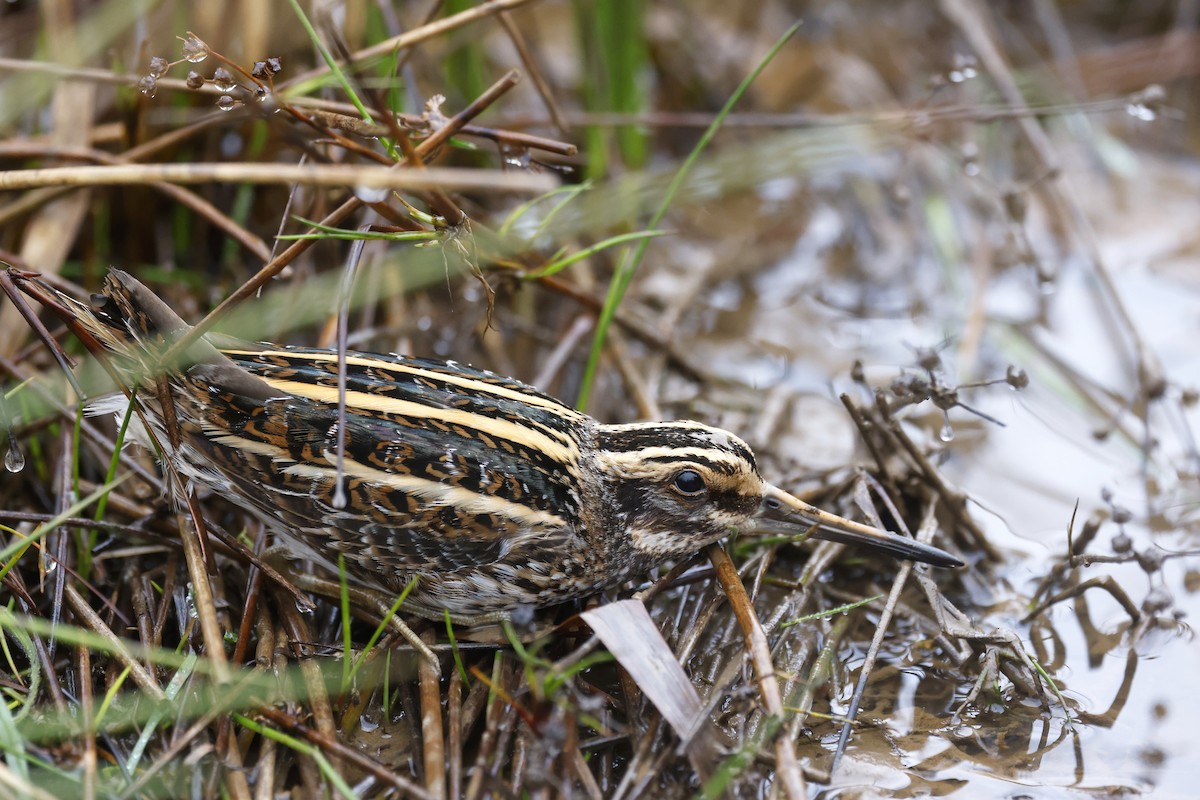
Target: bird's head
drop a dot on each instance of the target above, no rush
(679, 486)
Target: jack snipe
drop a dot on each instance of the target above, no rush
(492, 494)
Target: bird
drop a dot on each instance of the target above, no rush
(489, 493)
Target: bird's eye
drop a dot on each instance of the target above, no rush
(689, 483)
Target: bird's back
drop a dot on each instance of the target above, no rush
(473, 482)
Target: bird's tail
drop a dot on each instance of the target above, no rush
(125, 324)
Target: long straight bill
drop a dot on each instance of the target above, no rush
(783, 513)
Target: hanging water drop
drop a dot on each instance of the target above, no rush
(519, 158)
(1141, 111)
(194, 50)
(14, 459)
(268, 102)
(946, 434)
(223, 79)
(963, 69)
(340, 499)
(371, 194)
(1147, 104)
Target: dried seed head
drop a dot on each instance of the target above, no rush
(194, 49)
(1157, 600)
(928, 358)
(223, 79)
(945, 398)
(1016, 377)
(264, 70)
(1151, 560)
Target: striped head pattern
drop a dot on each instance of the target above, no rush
(678, 486)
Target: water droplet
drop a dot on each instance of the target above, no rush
(964, 68)
(268, 102)
(189, 601)
(970, 158)
(223, 79)
(1147, 104)
(194, 50)
(339, 499)
(946, 434)
(158, 66)
(148, 85)
(371, 194)
(226, 103)
(517, 157)
(14, 460)
(1141, 111)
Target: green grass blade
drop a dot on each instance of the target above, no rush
(627, 268)
(559, 264)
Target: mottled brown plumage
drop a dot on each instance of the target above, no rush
(490, 493)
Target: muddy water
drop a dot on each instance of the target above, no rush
(806, 293)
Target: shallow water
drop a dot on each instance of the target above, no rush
(794, 325)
